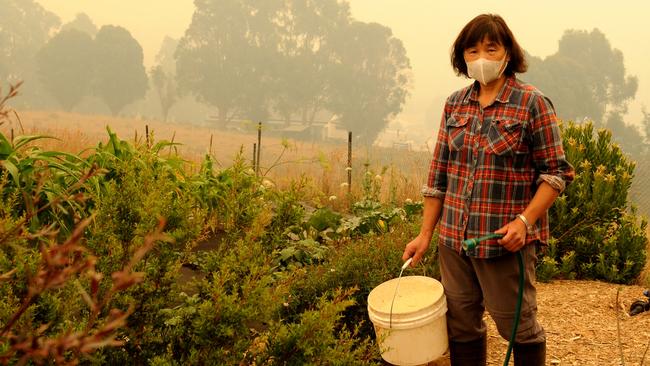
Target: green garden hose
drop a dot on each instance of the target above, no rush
(470, 244)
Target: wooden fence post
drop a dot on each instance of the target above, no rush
(146, 131)
(349, 167)
(259, 148)
(255, 158)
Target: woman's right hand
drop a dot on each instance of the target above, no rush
(416, 248)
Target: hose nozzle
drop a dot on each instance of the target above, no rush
(470, 244)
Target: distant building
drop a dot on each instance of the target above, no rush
(394, 136)
(334, 132)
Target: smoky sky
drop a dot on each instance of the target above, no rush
(427, 29)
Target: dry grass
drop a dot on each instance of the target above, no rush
(321, 165)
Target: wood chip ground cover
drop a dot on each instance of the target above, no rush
(581, 327)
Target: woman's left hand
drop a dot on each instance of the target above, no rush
(514, 235)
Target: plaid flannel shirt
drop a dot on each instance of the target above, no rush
(488, 162)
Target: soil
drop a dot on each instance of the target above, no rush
(580, 319)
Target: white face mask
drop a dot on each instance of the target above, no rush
(486, 71)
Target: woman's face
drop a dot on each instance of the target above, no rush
(486, 49)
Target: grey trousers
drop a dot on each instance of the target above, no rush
(473, 285)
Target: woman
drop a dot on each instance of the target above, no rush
(497, 167)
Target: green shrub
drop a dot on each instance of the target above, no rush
(139, 188)
(361, 264)
(597, 236)
(238, 298)
(233, 197)
(236, 318)
(548, 267)
(314, 340)
(61, 316)
(287, 283)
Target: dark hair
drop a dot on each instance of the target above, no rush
(494, 28)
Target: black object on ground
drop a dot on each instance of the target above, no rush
(640, 306)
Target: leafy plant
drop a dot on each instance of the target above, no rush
(26, 336)
(361, 264)
(598, 236)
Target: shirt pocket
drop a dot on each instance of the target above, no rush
(456, 131)
(506, 137)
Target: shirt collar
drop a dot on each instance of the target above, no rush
(503, 96)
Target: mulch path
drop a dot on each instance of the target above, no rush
(580, 319)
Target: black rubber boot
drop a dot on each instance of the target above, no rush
(472, 353)
(532, 354)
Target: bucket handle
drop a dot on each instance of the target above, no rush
(406, 264)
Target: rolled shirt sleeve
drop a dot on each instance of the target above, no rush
(548, 153)
(437, 182)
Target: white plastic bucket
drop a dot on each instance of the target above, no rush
(417, 332)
